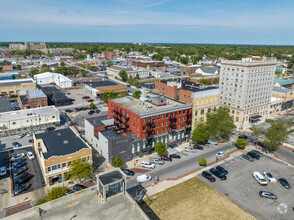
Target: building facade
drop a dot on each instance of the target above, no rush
(56, 150)
(286, 94)
(28, 46)
(32, 98)
(148, 64)
(12, 87)
(16, 122)
(246, 87)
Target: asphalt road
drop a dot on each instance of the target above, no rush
(188, 162)
(287, 155)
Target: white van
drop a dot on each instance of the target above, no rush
(147, 165)
(156, 160)
(143, 178)
(259, 178)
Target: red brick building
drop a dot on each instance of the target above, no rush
(32, 98)
(109, 55)
(189, 70)
(148, 64)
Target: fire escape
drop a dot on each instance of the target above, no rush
(117, 117)
(150, 133)
(172, 125)
(126, 122)
(188, 122)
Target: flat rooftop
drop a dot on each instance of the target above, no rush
(188, 85)
(101, 83)
(15, 82)
(116, 67)
(110, 177)
(147, 109)
(100, 120)
(5, 105)
(61, 142)
(27, 113)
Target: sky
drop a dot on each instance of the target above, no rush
(153, 21)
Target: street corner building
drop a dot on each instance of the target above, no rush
(56, 150)
(133, 126)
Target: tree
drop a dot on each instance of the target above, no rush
(62, 64)
(123, 75)
(92, 105)
(277, 133)
(117, 162)
(205, 81)
(202, 161)
(44, 68)
(55, 193)
(18, 67)
(184, 60)
(257, 132)
(108, 95)
(137, 76)
(80, 169)
(160, 148)
(220, 123)
(241, 143)
(200, 134)
(137, 94)
(34, 72)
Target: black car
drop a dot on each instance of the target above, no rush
(243, 136)
(254, 155)
(21, 159)
(83, 108)
(218, 174)
(175, 156)
(91, 112)
(258, 153)
(208, 176)
(49, 129)
(22, 179)
(69, 191)
(128, 172)
(197, 147)
(284, 183)
(21, 188)
(19, 171)
(97, 111)
(68, 110)
(78, 187)
(247, 157)
(15, 108)
(266, 194)
(19, 165)
(223, 170)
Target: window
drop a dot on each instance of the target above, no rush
(144, 120)
(149, 119)
(49, 169)
(161, 130)
(202, 112)
(58, 166)
(196, 113)
(53, 116)
(63, 165)
(158, 117)
(157, 132)
(144, 128)
(157, 124)
(14, 123)
(162, 116)
(165, 129)
(166, 123)
(179, 126)
(54, 167)
(162, 124)
(166, 115)
(179, 119)
(209, 110)
(184, 111)
(144, 135)
(180, 112)
(69, 163)
(153, 118)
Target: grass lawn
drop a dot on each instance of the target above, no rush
(192, 199)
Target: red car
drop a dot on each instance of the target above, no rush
(87, 108)
(86, 97)
(259, 143)
(90, 100)
(166, 158)
(77, 109)
(208, 176)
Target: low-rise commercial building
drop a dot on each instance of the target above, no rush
(56, 150)
(55, 96)
(6, 66)
(32, 98)
(12, 87)
(14, 122)
(148, 64)
(286, 94)
(97, 89)
(58, 79)
(9, 75)
(115, 69)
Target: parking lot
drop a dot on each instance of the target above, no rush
(37, 181)
(5, 105)
(4, 180)
(6, 142)
(77, 95)
(243, 189)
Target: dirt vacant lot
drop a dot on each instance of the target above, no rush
(192, 199)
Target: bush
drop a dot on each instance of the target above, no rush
(241, 143)
(13, 96)
(202, 161)
(117, 162)
(41, 201)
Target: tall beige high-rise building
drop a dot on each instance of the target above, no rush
(28, 46)
(246, 87)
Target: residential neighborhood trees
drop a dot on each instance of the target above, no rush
(200, 134)
(80, 169)
(137, 94)
(160, 148)
(117, 162)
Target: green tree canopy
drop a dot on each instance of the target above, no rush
(34, 72)
(137, 76)
(80, 169)
(137, 94)
(200, 134)
(220, 123)
(18, 67)
(55, 193)
(160, 148)
(257, 133)
(277, 133)
(241, 143)
(108, 95)
(92, 105)
(202, 161)
(123, 75)
(117, 162)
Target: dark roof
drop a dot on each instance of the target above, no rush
(282, 89)
(61, 142)
(96, 122)
(15, 82)
(101, 83)
(190, 85)
(110, 177)
(110, 134)
(53, 93)
(24, 100)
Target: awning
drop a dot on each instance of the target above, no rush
(172, 142)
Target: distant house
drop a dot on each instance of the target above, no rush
(6, 66)
(286, 83)
(207, 71)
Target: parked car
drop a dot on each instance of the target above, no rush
(267, 194)
(22, 179)
(12, 100)
(68, 110)
(91, 112)
(197, 147)
(190, 149)
(259, 143)
(146, 164)
(77, 109)
(259, 178)
(87, 108)
(220, 154)
(166, 158)
(79, 187)
(19, 165)
(143, 178)
(247, 157)
(3, 171)
(30, 155)
(218, 174)
(156, 160)
(15, 108)
(284, 183)
(258, 153)
(21, 159)
(208, 176)
(82, 108)
(85, 97)
(128, 172)
(16, 144)
(19, 136)
(243, 136)
(49, 129)
(212, 142)
(90, 100)
(254, 155)
(97, 111)
(19, 171)
(29, 134)
(69, 191)
(21, 188)
(223, 170)
(175, 156)
(17, 156)
(270, 177)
